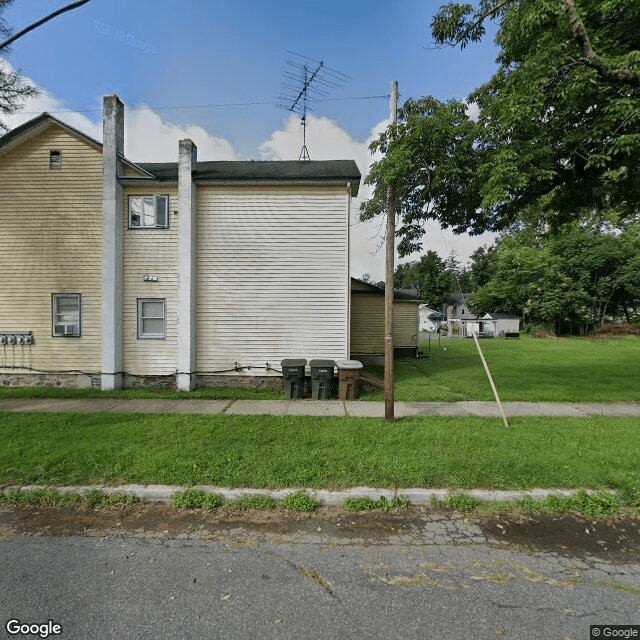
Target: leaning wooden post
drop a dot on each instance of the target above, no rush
(388, 287)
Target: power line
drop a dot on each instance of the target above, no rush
(205, 106)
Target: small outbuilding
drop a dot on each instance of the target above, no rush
(367, 322)
(501, 323)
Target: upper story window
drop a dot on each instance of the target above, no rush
(148, 212)
(55, 159)
(65, 308)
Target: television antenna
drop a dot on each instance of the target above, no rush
(307, 80)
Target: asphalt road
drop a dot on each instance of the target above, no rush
(246, 582)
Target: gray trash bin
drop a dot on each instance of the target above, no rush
(322, 379)
(293, 377)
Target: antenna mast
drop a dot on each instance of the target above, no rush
(312, 79)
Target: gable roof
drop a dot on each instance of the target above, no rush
(40, 123)
(263, 172)
(221, 172)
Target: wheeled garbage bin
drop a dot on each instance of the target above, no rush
(293, 377)
(322, 379)
(348, 379)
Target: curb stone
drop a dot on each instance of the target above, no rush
(164, 493)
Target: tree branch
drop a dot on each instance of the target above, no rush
(31, 27)
(589, 56)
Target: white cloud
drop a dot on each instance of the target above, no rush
(148, 138)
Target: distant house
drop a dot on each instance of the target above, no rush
(118, 273)
(500, 323)
(367, 322)
(460, 320)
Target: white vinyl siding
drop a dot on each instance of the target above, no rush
(51, 224)
(272, 276)
(150, 264)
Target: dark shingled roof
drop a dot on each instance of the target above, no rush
(262, 171)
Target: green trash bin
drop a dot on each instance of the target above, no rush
(322, 379)
(293, 377)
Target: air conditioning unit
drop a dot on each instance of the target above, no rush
(66, 329)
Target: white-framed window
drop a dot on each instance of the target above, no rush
(148, 212)
(151, 318)
(65, 315)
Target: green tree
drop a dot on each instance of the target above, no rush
(570, 281)
(560, 118)
(430, 158)
(557, 133)
(429, 276)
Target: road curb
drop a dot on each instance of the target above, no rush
(164, 493)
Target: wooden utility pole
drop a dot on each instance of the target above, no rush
(388, 285)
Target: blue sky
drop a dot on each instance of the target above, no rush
(158, 54)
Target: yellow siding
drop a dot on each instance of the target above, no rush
(151, 252)
(51, 242)
(367, 324)
(272, 275)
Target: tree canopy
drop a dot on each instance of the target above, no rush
(558, 130)
(569, 281)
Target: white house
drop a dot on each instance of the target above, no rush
(119, 273)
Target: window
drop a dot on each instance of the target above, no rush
(55, 159)
(65, 315)
(148, 212)
(151, 318)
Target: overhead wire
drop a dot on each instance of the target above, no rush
(207, 106)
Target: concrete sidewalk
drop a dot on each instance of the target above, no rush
(359, 409)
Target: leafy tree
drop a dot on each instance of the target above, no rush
(557, 133)
(570, 281)
(560, 117)
(429, 275)
(430, 158)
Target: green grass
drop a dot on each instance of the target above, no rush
(300, 451)
(527, 369)
(214, 393)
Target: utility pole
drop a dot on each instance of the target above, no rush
(388, 286)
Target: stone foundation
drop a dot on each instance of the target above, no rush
(62, 380)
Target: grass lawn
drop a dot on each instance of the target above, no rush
(275, 451)
(528, 369)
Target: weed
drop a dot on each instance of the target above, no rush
(38, 496)
(312, 575)
(92, 498)
(587, 504)
(299, 501)
(196, 498)
(461, 502)
(618, 585)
